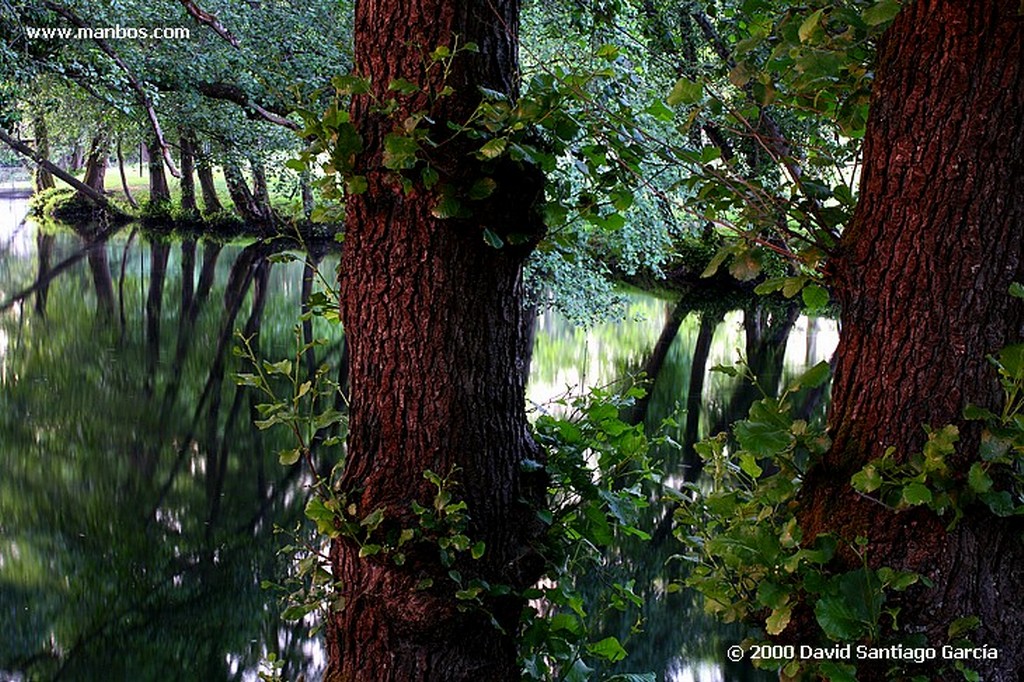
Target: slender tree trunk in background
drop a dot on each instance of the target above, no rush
(42, 178)
(245, 202)
(124, 176)
(211, 203)
(922, 278)
(306, 187)
(159, 189)
(96, 163)
(188, 183)
(77, 157)
(260, 191)
(433, 318)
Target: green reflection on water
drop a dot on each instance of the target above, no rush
(137, 503)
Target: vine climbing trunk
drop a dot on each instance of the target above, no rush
(923, 277)
(433, 316)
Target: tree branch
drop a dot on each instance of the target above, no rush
(136, 85)
(87, 191)
(233, 93)
(210, 20)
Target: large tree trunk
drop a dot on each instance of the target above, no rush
(922, 278)
(432, 316)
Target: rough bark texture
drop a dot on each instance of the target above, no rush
(188, 183)
(922, 279)
(96, 163)
(211, 203)
(433, 321)
(159, 190)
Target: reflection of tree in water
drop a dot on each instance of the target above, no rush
(137, 504)
(676, 635)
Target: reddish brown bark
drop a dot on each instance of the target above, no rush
(433, 322)
(922, 278)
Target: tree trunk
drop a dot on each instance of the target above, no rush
(159, 190)
(245, 202)
(204, 170)
(922, 278)
(432, 315)
(124, 176)
(188, 183)
(96, 163)
(42, 178)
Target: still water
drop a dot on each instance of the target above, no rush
(139, 507)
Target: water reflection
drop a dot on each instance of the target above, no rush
(137, 503)
(676, 344)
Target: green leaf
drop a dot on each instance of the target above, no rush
(608, 52)
(999, 503)
(608, 648)
(372, 520)
(493, 239)
(978, 479)
(478, 550)
(916, 494)
(318, 512)
(492, 149)
(403, 87)
(482, 188)
(565, 621)
(962, 625)
(867, 479)
(975, 413)
(748, 463)
(717, 260)
(685, 91)
(815, 376)
(881, 12)
(289, 457)
(446, 207)
(369, 550)
(356, 184)
(815, 297)
(808, 25)
(399, 151)
(1017, 290)
(838, 672)
(350, 85)
(779, 619)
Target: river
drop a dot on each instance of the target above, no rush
(142, 515)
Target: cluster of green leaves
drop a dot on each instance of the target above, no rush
(927, 478)
(796, 86)
(750, 560)
(299, 405)
(598, 468)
